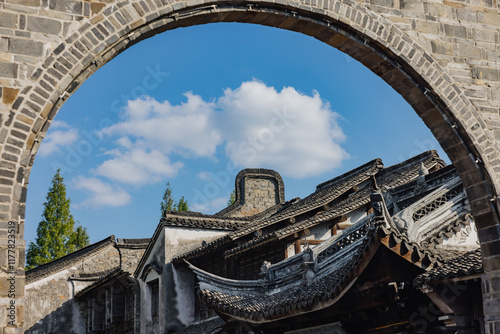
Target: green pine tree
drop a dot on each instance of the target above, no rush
(182, 205)
(57, 234)
(168, 201)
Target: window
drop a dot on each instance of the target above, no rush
(154, 293)
(117, 304)
(97, 315)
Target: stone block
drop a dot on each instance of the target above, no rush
(26, 47)
(67, 6)
(492, 306)
(468, 51)
(43, 25)
(411, 5)
(455, 31)
(8, 70)
(442, 48)
(31, 3)
(8, 20)
(486, 73)
(492, 18)
(489, 234)
(483, 35)
(427, 27)
(9, 95)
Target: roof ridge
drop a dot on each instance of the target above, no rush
(193, 214)
(366, 165)
(48, 268)
(427, 155)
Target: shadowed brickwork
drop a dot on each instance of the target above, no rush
(443, 57)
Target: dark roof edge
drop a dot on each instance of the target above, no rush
(132, 243)
(47, 269)
(463, 266)
(150, 246)
(253, 172)
(194, 214)
(114, 273)
(431, 154)
(370, 163)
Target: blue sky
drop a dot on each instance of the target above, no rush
(195, 105)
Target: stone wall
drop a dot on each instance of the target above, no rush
(442, 56)
(50, 290)
(256, 191)
(131, 252)
(259, 195)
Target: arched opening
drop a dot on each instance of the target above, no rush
(384, 49)
(376, 123)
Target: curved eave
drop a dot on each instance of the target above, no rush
(261, 308)
(410, 251)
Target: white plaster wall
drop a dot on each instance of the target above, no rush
(185, 285)
(177, 296)
(179, 240)
(157, 255)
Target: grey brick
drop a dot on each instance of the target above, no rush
(25, 47)
(8, 70)
(67, 6)
(8, 20)
(47, 26)
(455, 31)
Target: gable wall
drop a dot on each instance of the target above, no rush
(49, 301)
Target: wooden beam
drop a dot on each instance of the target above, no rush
(343, 226)
(310, 242)
(440, 303)
(297, 247)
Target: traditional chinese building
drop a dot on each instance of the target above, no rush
(375, 250)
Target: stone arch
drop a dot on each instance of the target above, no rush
(414, 64)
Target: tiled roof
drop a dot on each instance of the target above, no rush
(133, 242)
(336, 187)
(295, 298)
(112, 273)
(390, 177)
(323, 195)
(198, 220)
(94, 275)
(357, 200)
(67, 261)
(468, 264)
(285, 293)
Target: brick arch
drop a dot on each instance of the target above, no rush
(407, 59)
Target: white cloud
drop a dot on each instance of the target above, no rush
(184, 128)
(293, 133)
(101, 193)
(212, 206)
(138, 167)
(59, 135)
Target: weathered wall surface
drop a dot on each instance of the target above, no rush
(442, 56)
(131, 252)
(49, 300)
(176, 302)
